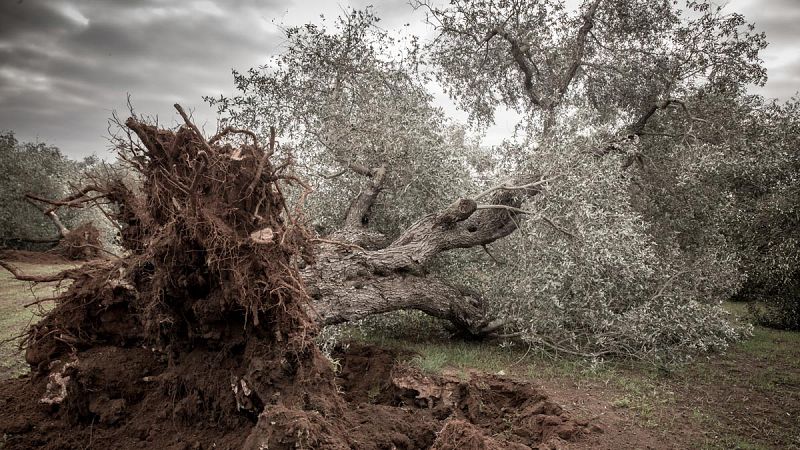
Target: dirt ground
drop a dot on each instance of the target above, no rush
(398, 405)
(748, 398)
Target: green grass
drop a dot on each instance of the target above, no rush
(14, 317)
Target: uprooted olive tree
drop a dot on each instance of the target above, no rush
(202, 333)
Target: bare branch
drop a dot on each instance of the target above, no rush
(558, 228)
(231, 130)
(523, 63)
(60, 276)
(504, 186)
(75, 200)
(506, 207)
(193, 127)
(62, 230)
(261, 163)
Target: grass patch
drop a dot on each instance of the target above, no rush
(15, 318)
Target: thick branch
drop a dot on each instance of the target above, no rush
(637, 129)
(580, 49)
(358, 212)
(75, 200)
(461, 225)
(337, 299)
(62, 230)
(355, 229)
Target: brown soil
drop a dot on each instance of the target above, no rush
(119, 398)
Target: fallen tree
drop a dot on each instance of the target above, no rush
(206, 321)
(80, 243)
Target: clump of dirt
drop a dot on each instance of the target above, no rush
(478, 409)
(198, 338)
(80, 244)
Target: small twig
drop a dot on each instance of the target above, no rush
(98, 248)
(193, 127)
(339, 243)
(553, 224)
(504, 186)
(264, 157)
(40, 301)
(202, 164)
(230, 129)
(667, 283)
(74, 200)
(506, 207)
(486, 249)
(335, 175)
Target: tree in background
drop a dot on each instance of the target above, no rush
(38, 169)
(725, 192)
(33, 173)
(347, 98)
(764, 178)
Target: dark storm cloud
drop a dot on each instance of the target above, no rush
(19, 18)
(64, 66)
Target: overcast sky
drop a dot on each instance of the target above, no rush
(65, 65)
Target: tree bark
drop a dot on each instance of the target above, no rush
(344, 290)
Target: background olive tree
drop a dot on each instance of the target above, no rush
(732, 189)
(31, 170)
(39, 169)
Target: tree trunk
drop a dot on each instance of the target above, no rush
(346, 288)
(355, 277)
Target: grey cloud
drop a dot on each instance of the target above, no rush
(27, 17)
(778, 19)
(784, 80)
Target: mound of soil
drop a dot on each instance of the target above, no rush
(121, 398)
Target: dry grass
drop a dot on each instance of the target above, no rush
(14, 317)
